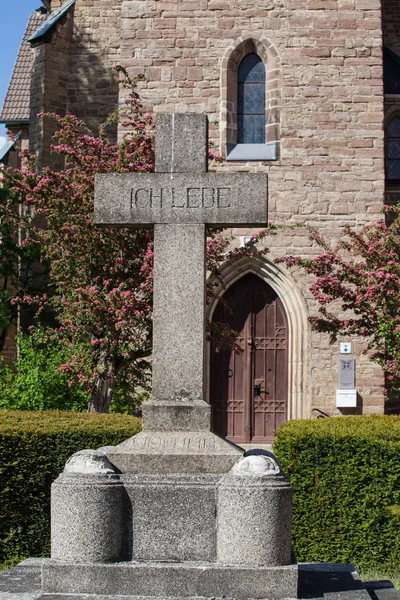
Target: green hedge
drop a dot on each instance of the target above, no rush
(345, 474)
(34, 447)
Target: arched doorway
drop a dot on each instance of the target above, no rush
(249, 391)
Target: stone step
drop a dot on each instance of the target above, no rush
(91, 597)
(316, 581)
(165, 580)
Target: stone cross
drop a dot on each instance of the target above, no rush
(180, 199)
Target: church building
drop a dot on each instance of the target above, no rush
(307, 91)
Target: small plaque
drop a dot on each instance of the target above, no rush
(346, 398)
(346, 373)
(345, 347)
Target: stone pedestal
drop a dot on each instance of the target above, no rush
(175, 452)
(173, 517)
(172, 535)
(254, 517)
(87, 518)
(161, 581)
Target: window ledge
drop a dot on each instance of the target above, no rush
(251, 151)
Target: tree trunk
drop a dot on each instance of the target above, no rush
(3, 336)
(101, 396)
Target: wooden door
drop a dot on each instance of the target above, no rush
(248, 391)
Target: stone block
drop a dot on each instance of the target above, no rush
(173, 517)
(180, 144)
(254, 517)
(175, 452)
(318, 580)
(182, 416)
(178, 317)
(87, 518)
(145, 199)
(171, 580)
(331, 580)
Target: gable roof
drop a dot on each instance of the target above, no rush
(391, 72)
(38, 35)
(16, 103)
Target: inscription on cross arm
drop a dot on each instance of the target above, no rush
(189, 197)
(143, 199)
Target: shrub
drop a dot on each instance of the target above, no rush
(34, 447)
(40, 381)
(345, 474)
(37, 383)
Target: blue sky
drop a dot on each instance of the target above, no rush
(14, 17)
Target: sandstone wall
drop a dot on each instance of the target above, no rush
(49, 88)
(391, 24)
(330, 167)
(94, 50)
(330, 170)
(72, 71)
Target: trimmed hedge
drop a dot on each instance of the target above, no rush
(34, 447)
(345, 474)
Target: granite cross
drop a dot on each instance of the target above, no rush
(180, 199)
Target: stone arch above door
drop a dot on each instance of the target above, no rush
(299, 393)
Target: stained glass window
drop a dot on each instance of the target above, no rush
(251, 100)
(393, 150)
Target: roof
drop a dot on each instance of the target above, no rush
(37, 36)
(4, 150)
(16, 103)
(391, 72)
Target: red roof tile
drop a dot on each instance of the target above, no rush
(16, 103)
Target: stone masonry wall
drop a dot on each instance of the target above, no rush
(330, 170)
(36, 101)
(49, 87)
(72, 71)
(392, 109)
(391, 24)
(391, 39)
(94, 50)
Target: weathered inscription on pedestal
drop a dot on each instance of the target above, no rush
(217, 199)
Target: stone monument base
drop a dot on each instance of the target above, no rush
(316, 582)
(175, 452)
(171, 535)
(170, 580)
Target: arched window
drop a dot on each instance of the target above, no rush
(251, 89)
(251, 101)
(393, 151)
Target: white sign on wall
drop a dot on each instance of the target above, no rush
(345, 347)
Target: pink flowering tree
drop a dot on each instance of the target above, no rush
(99, 286)
(100, 279)
(359, 278)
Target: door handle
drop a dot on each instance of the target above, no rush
(257, 387)
(257, 390)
